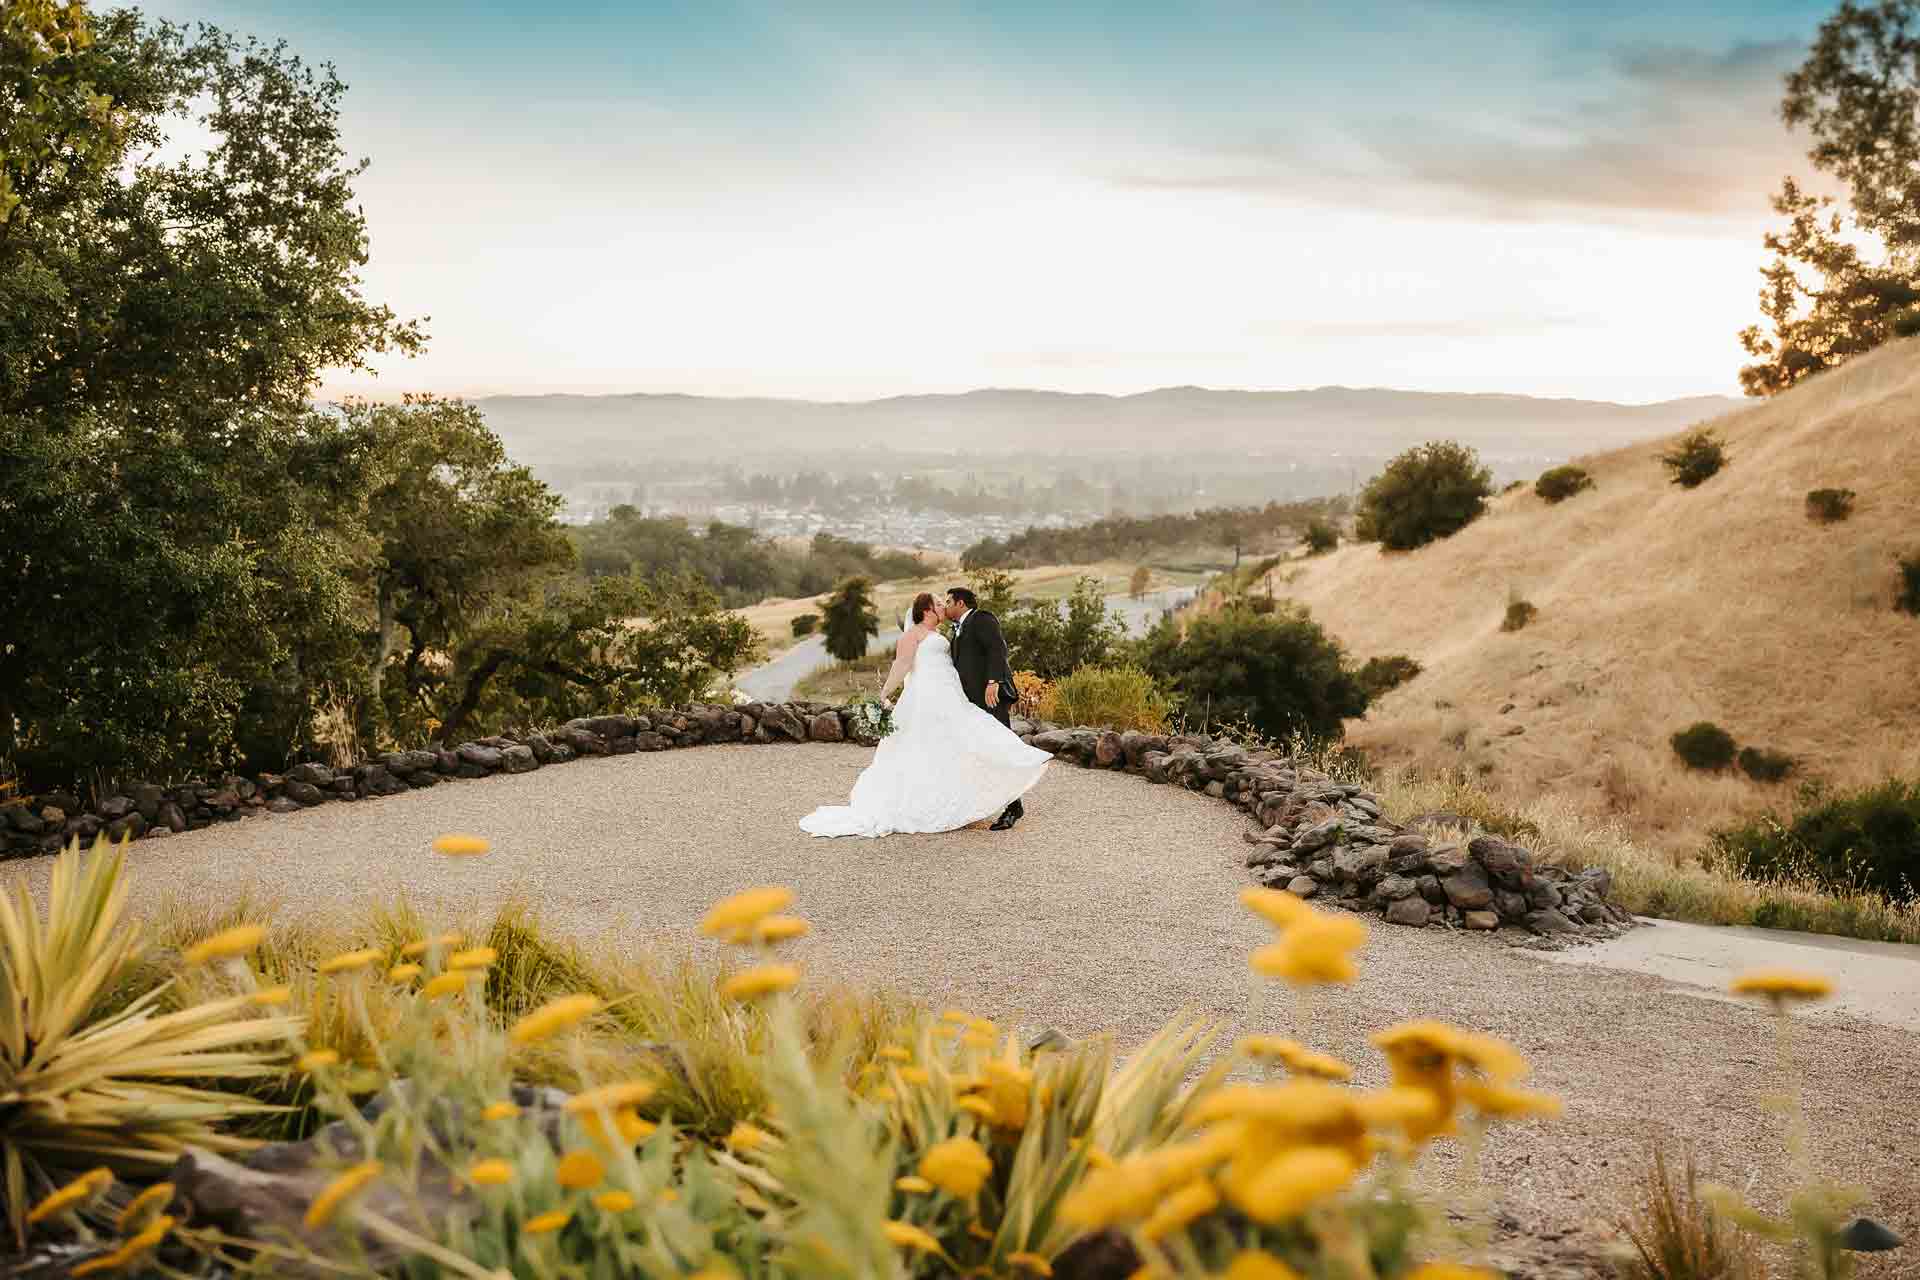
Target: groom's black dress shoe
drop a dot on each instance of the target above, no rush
(1012, 814)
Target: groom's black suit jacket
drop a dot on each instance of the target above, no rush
(980, 655)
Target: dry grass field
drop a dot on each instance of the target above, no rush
(1658, 607)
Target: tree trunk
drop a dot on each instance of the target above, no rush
(384, 649)
(470, 697)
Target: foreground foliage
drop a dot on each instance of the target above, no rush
(1120, 697)
(1279, 672)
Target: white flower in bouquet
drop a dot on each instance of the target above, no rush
(872, 718)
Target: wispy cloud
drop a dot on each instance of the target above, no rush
(1678, 132)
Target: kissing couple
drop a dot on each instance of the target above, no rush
(952, 758)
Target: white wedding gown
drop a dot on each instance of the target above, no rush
(947, 762)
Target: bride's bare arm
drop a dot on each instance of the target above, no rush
(902, 661)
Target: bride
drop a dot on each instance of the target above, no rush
(947, 762)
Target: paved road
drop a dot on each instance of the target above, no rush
(774, 681)
(1112, 906)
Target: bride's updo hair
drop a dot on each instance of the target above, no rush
(922, 606)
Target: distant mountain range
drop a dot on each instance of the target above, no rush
(1322, 422)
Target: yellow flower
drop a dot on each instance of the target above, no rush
(448, 984)
(157, 1196)
(978, 1106)
(579, 1170)
(1108, 1196)
(1009, 1090)
(628, 1128)
(1194, 1201)
(1491, 1056)
(1031, 1261)
(977, 1040)
(978, 1232)
(546, 1223)
(776, 929)
(1298, 1059)
(237, 941)
(1292, 1181)
(766, 979)
(959, 1016)
(958, 1166)
(1421, 1055)
(745, 910)
(421, 947)
(747, 1137)
(1782, 984)
(490, 1173)
(318, 1058)
(500, 1111)
(1256, 1264)
(613, 1201)
(908, 1236)
(404, 973)
(1396, 1108)
(270, 996)
(339, 1191)
(350, 960)
(627, 1093)
(894, 1053)
(1313, 951)
(1281, 909)
(460, 846)
(477, 958)
(553, 1017)
(915, 1075)
(85, 1187)
(1503, 1101)
(130, 1251)
(669, 1196)
(1450, 1271)
(912, 1184)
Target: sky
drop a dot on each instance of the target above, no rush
(841, 200)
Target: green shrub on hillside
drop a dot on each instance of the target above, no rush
(1764, 764)
(1704, 745)
(1053, 638)
(1280, 672)
(849, 619)
(1384, 673)
(1907, 593)
(1321, 537)
(1828, 506)
(805, 625)
(1697, 458)
(1519, 614)
(1122, 697)
(1431, 491)
(1865, 839)
(1561, 483)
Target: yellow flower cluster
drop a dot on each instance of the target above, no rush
(1314, 947)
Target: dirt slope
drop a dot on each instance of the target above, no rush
(1660, 606)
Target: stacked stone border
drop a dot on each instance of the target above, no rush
(1319, 837)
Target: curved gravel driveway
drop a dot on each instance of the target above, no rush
(1111, 906)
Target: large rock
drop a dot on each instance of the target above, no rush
(1359, 863)
(1508, 865)
(479, 755)
(1318, 836)
(519, 760)
(1109, 752)
(1303, 886)
(825, 727)
(1549, 921)
(1395, 889)
(1467, 888)
(1412, 911)
(316, 774)
(301, 793)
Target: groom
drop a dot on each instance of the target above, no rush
(980, 655)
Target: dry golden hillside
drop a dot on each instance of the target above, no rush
(1659, 607)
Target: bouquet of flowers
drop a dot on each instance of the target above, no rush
(872, 718)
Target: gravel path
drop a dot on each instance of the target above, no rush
(1111, 907)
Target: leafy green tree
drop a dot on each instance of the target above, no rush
(848, 619)
(1825, 299)
(1137, 584)
(1695, 458)
(171, 534)
(612, 644)
(993, 589)
(1053, 638)
(457, 530)
(1280, 671)
(1431, 491)
(1321, 537)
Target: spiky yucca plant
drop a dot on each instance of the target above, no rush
(81, 1086)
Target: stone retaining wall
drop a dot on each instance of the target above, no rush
(1319, 837)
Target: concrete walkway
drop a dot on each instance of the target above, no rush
(1113, 907)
